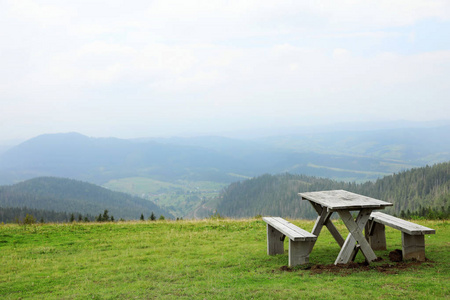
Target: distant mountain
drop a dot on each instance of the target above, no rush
(418, 146)
(67, 195)
(350, 156)
(101, 159)
(277, 195)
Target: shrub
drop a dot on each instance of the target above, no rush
(29, 219)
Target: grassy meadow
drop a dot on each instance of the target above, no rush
(205, 259)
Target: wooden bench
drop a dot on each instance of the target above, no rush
(299, 240)
(413, 235)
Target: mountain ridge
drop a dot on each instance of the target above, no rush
(358, 156)
(69, 195)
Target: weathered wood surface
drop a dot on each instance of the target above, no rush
(331, 228)
(342, 200)
(300, 240)
(293, 232)
(413, 246)
(413, 235)
(349, 249)
(299, 252)
(275, 241)
(376, 235)
(399, 224)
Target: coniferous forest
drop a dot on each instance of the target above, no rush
(421, 192)
(26, 215)
(56, 199)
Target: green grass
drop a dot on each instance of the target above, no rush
(207, 259)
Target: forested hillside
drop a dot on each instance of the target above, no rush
(70, 196)
(415, 190)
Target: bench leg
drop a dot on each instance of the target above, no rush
(376, 235)
(413, 246)
(299, 252)
(275, 241)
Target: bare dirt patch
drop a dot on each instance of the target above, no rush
(346, 269)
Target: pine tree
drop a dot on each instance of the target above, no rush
(105, 216)
(152, 217)
(72, 218)
(142, 217)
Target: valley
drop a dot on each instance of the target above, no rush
(181, 198)
(187, 176)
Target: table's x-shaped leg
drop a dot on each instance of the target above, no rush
(348, 250)
(324, 219)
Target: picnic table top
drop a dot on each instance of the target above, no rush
(343, 200)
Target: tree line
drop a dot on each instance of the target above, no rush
(19, 214)
(25, 215)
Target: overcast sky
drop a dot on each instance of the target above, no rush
(154, 68)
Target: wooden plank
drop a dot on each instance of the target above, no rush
(339, 199)
(413, 246)
(303, 234)
(362, 214)
(275, 243)
(318, 226)
(299, 252)
(329, 224)
(348, 250)
(294, 233)
(335, 233)
(375, 235)
(355, 229)
(402, 225)
(320, 222)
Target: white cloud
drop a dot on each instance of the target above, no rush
(380, 13)
(340, 53)
(41, 14)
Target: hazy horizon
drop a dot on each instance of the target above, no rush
(257, 133)
(177, 68)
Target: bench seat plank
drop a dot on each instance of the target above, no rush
(399, 224)
(293, 232)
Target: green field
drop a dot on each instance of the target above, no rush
(205, 259)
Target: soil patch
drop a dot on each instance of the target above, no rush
(285, 269)
(346, 269)
(396, 255)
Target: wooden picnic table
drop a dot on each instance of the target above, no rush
(325, 203)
